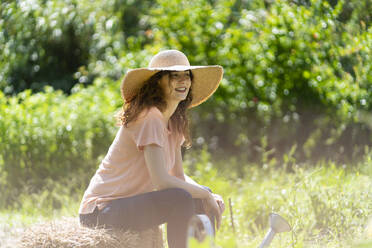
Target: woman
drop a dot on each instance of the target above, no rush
(141, 183)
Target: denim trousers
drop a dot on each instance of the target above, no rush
(174, 206)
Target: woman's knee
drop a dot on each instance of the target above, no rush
(180, 194)
(182, 198)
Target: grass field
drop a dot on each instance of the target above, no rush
(328, 205)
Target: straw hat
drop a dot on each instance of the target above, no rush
(205, 81)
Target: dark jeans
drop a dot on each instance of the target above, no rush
(173, 206)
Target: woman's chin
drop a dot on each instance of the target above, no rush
(180, 96)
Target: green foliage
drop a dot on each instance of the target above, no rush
(62, 43)
(297, 72)
(297, 86)
(326, 205)
(48, 136)
(292, 72)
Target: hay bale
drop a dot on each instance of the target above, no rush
(151, 238)
(68, 233)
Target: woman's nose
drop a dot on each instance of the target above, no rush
(184, 79)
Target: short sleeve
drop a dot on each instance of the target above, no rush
(148, 130)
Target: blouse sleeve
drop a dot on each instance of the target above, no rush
(148, 130)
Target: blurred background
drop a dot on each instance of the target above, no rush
(297, 86)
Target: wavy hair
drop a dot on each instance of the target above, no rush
(150, 95)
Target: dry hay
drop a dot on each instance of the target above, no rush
(68, 233)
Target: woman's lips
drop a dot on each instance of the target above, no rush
(181, 89)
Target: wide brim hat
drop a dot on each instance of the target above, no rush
(205, 78)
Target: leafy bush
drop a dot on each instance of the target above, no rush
(292, 73)
(49, 136)
(297, 72)
(298, 80)
(62, 43)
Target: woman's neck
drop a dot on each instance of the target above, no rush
(169, 111)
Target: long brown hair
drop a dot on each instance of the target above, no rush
(151, 94)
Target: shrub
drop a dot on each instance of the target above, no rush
(49, 136)
(292, 72)
(62, 43)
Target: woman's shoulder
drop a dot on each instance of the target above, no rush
(155, 111)
(151, 112)
(148, 115)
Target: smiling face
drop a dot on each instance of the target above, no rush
(176, 85)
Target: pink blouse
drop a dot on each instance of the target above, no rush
(123, 171)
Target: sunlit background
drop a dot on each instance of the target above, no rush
(288, 130)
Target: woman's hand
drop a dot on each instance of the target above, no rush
(220, 202)
(212, 208)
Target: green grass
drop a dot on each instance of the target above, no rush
(327, 205)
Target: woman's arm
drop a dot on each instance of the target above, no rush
(178, 172)
(190, 180)
(162, 180)
(209, 203)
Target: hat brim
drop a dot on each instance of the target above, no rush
(205, 80)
